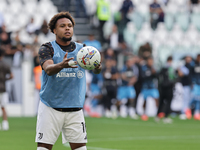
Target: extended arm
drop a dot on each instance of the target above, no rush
(50, 68)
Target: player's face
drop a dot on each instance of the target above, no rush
(188, 59)
(198, 58)
(64, 29)
(150, 62)
(129, 62)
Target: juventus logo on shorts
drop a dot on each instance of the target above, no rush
(40, 136)
(85, 137)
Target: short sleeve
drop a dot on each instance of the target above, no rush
(45, 53)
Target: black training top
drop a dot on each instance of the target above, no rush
(46, 51)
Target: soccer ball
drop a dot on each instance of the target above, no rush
(88, 57)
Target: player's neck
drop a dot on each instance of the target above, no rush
(63, 43)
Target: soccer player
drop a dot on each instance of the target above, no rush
(126, 91)
(110, 76)
(167, 79)
(63, 88)
(195, 100)
(149, 86)
(184, 73)
(4, 72)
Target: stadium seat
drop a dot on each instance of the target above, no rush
(30, 1)
(169, 21)
(180, 52)
(107, 28)
(137, 19)
(176, 34)
(130, 34)
(136, 2)
(195, 49)
(25, 37)
(161, 33)
(91, 7)
(192, 35)
(30, 8)
(146, 33)
(8, 20)
(171, 8)
(3, 7)
(195, 20)
(196, 8)
(15, 7)
(182, 20)
(163, 52)
(23, 19)
(143, 9)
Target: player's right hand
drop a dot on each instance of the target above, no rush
(67, 62)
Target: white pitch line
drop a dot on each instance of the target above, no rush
(93, 148)
(149, 124)
(98, 148)
(145, 138)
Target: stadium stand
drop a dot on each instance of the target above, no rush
(178, 35)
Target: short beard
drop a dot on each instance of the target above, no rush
(66, 39)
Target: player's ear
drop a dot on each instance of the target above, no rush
(54, 31)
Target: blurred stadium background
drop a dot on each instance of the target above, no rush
(178, 35)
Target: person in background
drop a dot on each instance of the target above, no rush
(149, 84)
(93, 42)
(114, 38)
(80, 5)
(138, 85)
(37, 71)
(194, 2)
(157, 14)
(145, 51)
(195, 74)
(184, 73)
(110, 76)
(1, 21)
(127, 7)
(126, 92)
(95, 95)
(167, 79)
(31, 27)
(103, 15)
(5, 74)
(44, 35)
(6, 46)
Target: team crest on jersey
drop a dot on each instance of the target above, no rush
(88, 56)
(80, 74)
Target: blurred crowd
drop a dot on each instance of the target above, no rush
(126, 75)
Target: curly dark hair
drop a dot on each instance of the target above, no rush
(2, 52)
(60, 15)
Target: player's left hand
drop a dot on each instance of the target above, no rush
(98, 66)
(97, 69)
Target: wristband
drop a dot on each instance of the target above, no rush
(71, 63)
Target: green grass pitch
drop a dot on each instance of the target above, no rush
(109, 134)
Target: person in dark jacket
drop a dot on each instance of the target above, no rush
(184, 73)
(167, 78)
(195, 101)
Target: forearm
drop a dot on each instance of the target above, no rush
(53, 69)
